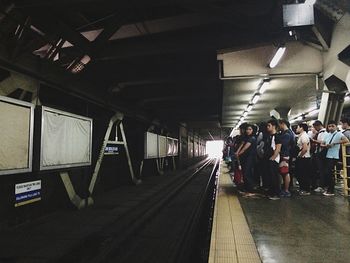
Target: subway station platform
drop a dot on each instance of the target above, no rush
(310, 229)
(231, 240)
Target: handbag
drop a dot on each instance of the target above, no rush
(324, 151)
(238, 175)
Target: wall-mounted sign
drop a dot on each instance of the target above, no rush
(112, 150)
(27, 193)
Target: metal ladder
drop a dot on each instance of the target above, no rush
(345, 168)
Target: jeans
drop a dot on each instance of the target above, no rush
(274, 178)
(248, 175)
(302, 172)
(328, 174)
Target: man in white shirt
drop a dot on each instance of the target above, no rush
(318, 181)
(303, 162)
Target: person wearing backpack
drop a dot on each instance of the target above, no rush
(303, 162)
(330, 150)
(261, 167)
(272, 158)
(287, 139)
(318, 181)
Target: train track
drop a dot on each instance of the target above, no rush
(136, 236)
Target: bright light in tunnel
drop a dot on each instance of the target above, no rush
(214, 148)
(277, 57)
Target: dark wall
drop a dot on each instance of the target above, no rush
(114, 171)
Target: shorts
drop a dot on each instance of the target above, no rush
(284, 166)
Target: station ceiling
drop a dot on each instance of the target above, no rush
(157, 58)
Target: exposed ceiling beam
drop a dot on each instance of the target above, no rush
(184, 41)
(53, 76)
(120, 4)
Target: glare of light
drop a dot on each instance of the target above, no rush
(241, 119)
(256, 98)
(214, 148)
(264, 86)
(347, 98)
(300, 118)
(277, 57)
(250, 107)
(313, 112)
(245, 114)
(290, 32)
(310, 2)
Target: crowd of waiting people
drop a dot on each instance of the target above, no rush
(273, 155)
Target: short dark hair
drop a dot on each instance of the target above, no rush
(345, 120)
(304, 126)
(317, 123)
(273, 122)
(243, 126)
(332, 122)
(284, 121)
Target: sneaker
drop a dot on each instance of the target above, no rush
(304, 193)
(328, 194)
(275, 197)
(285, 194)
(319, 190)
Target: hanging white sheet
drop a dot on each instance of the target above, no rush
(66, 140)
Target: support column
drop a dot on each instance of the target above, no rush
(283, 111)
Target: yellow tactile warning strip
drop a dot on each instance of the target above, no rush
(231, 240)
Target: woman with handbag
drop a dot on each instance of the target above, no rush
(247, 155)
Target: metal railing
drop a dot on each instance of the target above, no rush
(344, 172)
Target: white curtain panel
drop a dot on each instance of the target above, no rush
(66, 140)
(162, 144)
(14, 136)
(151, 146)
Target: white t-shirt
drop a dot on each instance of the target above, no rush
(273, 146)
(304, 138)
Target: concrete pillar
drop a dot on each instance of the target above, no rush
(283, 112)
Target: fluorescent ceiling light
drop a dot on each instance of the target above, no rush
(277, 57)
(241, 119)
(300, 118)
(314, 112)
(264, 86)
(245, 114)
(310, 2)
(290, 32)
(250, 107)
(256, 98)
(347, 98)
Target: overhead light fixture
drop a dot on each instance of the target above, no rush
(245, 114)
(255, 98)
(313, 112)
(249, 108)
(290, 33)
(241, 119)
(264, 86)
(277, 57)
(300, 118)
(310, 2)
